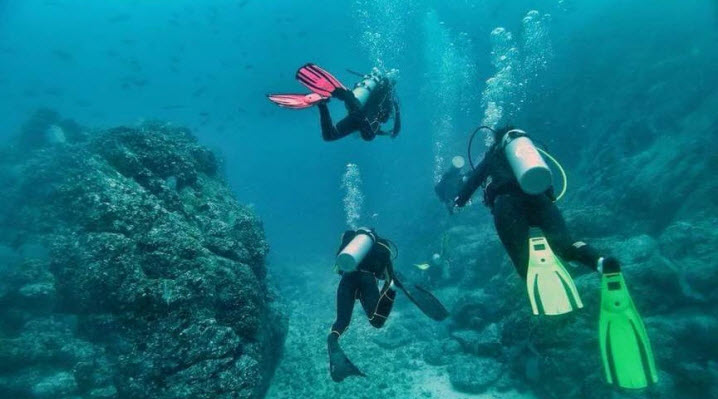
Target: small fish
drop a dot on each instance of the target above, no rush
(54, 91)
(119, 18)
(63, 55)
(199, 92)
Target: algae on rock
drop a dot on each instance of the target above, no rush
(153, 284)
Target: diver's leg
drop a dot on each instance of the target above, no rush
(346, 294)
(384, 306)
(340, 367)
(368, 293)
(513, 229)
(329, 131)
(552, 223)
(376, 305)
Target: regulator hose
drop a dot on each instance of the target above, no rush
(471, 140)
(560, 168)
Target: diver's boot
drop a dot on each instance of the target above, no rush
(340, 367)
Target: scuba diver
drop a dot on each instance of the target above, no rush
(370, 104)
(363, 259)
(517, 185)
(450, 182)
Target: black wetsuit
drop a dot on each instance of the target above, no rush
(449, 185)
(362, 284)
(367, 120)
(515, 211)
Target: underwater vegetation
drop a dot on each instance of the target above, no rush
(129, 269)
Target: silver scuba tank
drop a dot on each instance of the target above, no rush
(364, 88)
(354, 253)
(530, 169)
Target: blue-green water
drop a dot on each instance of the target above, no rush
(623, 93)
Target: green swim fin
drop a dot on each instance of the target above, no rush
(625, 348)
(547, 281)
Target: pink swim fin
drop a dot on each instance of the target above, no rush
(318, 80)
(295, 101)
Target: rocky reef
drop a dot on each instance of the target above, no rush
(129, 269)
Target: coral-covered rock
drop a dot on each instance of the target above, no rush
(154, 283)
(474, 374)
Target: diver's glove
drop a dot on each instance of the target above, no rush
(608, 265)
(457, 204)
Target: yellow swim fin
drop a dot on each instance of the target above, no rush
(551, 289)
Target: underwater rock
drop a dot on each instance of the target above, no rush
(393, 338)
(484, 343)
(58, 385)
(474, 374)
(46, 127)
(155, 282)
(439, 353)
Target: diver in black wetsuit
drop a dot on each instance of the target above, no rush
(361, 284)
(515, 212)
(371, 103)
(367, 119)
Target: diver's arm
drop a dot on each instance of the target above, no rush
(397, 120)
(475, 180)
(365, 128)
(397, 123)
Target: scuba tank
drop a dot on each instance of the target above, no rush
(351, 256)
(365, 87)
(531, 171)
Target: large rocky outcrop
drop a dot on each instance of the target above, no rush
(129, 270)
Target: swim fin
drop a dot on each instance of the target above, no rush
(295, 101)
(547, 281)
(340, 367)
(625, 348)
(423, 299)
(318, 80)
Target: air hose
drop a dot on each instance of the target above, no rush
(560, 169)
